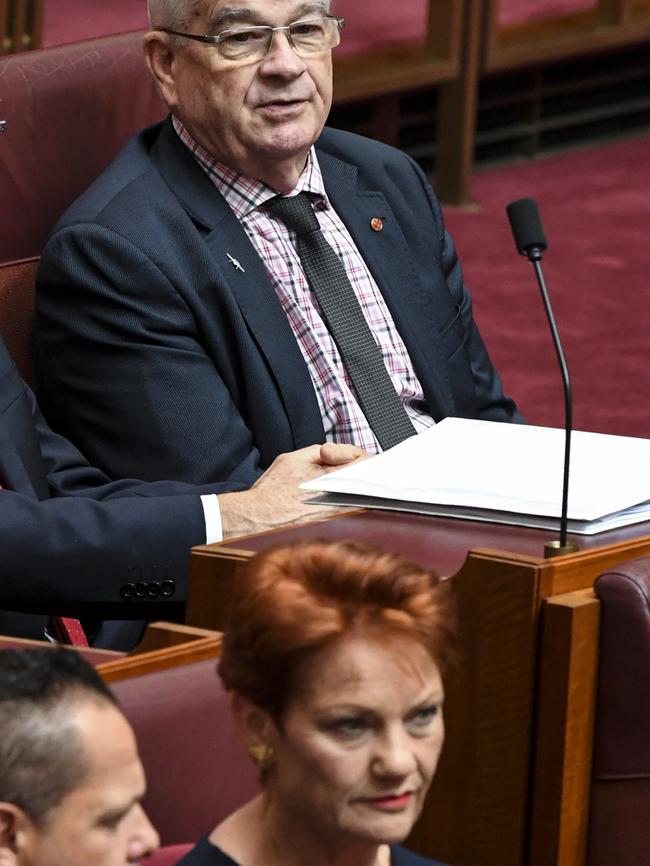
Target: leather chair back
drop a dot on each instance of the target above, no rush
(619, 823)
(68, 110)
(197, 769)
(167, 856)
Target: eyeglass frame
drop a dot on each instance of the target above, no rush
(217, 37)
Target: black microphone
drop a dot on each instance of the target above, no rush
(527, 228)
(530, 241)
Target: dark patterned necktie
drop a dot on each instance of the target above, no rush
(347, 325)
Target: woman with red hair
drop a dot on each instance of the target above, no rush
(333, 653)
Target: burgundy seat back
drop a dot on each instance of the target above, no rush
(167, 856)
(197, 769)
(619, 825)
(68, 110)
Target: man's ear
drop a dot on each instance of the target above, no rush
(15, 831)
(160, 55)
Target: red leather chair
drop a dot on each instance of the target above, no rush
(167, 856)
(197, 769)
(68, 110)
(619, 823)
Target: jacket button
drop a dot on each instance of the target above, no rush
(141, 589)
(127, 591)
(168, 588)
(154, 589)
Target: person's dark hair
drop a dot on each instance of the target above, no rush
(41, 752)
(291, 601)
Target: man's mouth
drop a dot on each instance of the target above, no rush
(282, 102)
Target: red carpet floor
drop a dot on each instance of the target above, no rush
(595, 206)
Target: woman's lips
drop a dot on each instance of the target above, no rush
(391, 802)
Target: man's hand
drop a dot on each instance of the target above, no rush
(275, 499)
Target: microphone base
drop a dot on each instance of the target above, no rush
(554, 548)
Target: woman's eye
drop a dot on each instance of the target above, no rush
(348, 727)
(425, 716)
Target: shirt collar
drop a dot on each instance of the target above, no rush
(245, 194)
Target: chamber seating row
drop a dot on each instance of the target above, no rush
(591, 782)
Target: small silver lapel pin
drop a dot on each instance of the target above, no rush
(235, 263)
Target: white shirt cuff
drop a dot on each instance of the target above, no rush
(212, 515)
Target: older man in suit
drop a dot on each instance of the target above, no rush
(241, 282)
(74, 543)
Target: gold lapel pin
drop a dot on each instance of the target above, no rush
(376, 224)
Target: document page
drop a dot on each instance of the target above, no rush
(493, 468)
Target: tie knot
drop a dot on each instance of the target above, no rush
(296, 213)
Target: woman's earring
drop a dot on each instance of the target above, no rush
(262, 755)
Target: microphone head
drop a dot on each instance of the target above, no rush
(526, 225)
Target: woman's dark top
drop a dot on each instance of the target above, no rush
(206, 854)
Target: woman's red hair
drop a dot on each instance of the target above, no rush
(291, 601)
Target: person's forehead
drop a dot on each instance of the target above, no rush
(261, 10)
(108, 741)
(114, 776)
(358, 665)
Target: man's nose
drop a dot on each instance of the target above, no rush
(144, 838)
(281, 58)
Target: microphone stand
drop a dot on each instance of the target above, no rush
(557, 548)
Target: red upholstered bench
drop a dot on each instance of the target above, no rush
(197, 768)
(619, 822)
(68, 110)
(167, 856)
(524, 32)
(373, 24)
(524, 11)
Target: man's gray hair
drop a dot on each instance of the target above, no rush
(41, 751)
(175, 14)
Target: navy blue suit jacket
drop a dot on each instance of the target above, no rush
(71, 542)
(162, 359)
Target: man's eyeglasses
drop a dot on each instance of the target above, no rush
(308, 36)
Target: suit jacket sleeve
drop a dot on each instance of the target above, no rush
(90, 547)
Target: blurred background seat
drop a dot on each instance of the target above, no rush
(197, 768)
(619, 824)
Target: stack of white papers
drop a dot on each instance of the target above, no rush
(506, 473)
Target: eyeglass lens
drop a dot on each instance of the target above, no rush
(308, 37)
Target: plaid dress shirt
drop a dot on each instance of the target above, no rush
(342, 417)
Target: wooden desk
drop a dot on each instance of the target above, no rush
(164, 645)
(480, 810)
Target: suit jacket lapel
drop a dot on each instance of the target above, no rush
(251, 287)
(387, 254)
